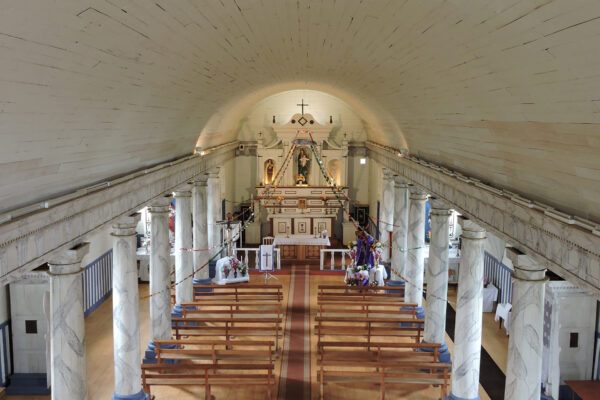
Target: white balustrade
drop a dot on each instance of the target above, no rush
(332, 252)
(246, 252)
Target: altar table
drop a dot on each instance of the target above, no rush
(379, 273)
(221, 279)
(301, 240)
(490, 296)
(300, 249)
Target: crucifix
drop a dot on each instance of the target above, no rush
(302, 105)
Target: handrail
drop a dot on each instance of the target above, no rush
(344, 252)
(246, 250)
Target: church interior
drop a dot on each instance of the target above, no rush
(309, 199)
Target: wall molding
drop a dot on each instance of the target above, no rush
(33, 238)
(567, 245)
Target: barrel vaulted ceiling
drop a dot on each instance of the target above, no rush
(507, 91)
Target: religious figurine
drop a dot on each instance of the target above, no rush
(364, 249)
(269, 171)
(303, 167)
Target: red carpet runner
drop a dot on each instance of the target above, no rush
(294, 383)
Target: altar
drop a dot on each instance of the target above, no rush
(304, 249)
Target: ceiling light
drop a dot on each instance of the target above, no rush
(363, 161)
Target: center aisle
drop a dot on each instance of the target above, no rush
(294, 382)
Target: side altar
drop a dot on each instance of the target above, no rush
(296, 160)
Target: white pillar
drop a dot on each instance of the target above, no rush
(184, 290)
(213, 209)
(400, 232)
(386, 214)
(415, 244)
(126, 321)
(199, 206)
(524, 365)
(160, 276)
(437, 278)
(467, 334)
(67, 334)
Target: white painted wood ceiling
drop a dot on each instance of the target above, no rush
(508, 91)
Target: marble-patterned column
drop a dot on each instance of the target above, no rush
(213, 207)
(469, 305)
(415, 244)
(67, 333)
(160, 276)
(184, 290)
(437, 278)
(199, 207)
(126, 321)
(400, 233)
(524, 364)
(386, 214)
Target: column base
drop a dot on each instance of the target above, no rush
(443, 353)
(399, 284)
(453, 397)
(138, 396)
(203, 282)
(150, 355)
(27, 385)
(178, 313)
(420, 315)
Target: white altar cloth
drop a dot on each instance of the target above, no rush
(490, 296)
(221, 279)
(379, 273)
(308, 240)
(503, 311)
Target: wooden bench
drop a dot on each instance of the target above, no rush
(386, 364)
(368, 327)
(214, 351)
(238, 292)
(228, 327)
(234, 309)
(326, 308)
(208, 375)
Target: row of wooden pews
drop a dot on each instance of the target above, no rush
(369, 335)
(228, 336)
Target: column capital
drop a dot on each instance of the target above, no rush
(439, 207)
(526, 268)
(472, 231)
(68, 261)
(160, 205)
(200, 181)
(125, 226)
(400, 183)
(416, 193)
(388, 174)
(214, 173)
(182, 192)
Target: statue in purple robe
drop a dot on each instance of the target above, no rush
(364, 251)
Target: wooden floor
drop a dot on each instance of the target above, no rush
(100, 356)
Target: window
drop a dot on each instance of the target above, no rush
(574, 339)
(30, 326)
(363, 161)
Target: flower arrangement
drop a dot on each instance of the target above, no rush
(486, 281)
(359, 276)
(377, 251)
(236, 266)
(353, 248)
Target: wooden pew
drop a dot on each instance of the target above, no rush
(386, 364)
(237, 292)
(228, 327)
(215, 351)
(208, 375)
(327, 308)
(368, 327)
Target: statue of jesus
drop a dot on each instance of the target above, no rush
(303, 167)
